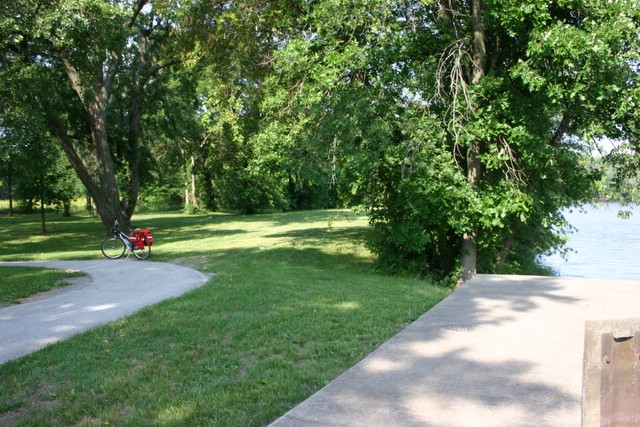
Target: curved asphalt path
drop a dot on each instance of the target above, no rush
(111, 290)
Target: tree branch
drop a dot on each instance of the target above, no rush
(136, 12)
(159, 67)
(74, 77)
(81, 168)
(562, 128)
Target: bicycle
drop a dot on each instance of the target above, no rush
(139, 244)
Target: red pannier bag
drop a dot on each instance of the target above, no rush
(138, 238)
(147, 233)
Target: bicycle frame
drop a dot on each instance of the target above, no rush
(117, 233)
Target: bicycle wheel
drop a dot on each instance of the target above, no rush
(113, 248)
(144, 252)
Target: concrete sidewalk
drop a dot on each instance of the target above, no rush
(113, 289)
(499, 351)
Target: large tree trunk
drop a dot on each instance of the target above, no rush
(106, 194)
(135, 126)
(103, 198)
(109, 205)
(194, 198)
(190, 199)
(469, 243)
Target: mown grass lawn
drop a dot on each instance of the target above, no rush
(294, 303)
(17, 283)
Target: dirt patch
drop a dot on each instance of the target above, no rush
(90, 421)
(43, 399)
(12, 418)
(248, 362)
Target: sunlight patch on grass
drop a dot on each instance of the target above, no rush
(347, 305)
(175, 415)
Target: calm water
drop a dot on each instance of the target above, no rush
(606, 246)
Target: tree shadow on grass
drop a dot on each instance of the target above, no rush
(309, 252)
(318, 235)
(83, 246)
(81, 238)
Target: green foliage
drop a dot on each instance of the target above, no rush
(233, 165)
(621, 178)
(363, 84)
(292, 105)
(161, 198)
(34, 164)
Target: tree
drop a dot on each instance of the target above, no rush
(462, 127)
(64, 60)
(564, 61)
(233, 159)
(34, 167)
(8, 166)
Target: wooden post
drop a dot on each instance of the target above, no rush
(611, 380)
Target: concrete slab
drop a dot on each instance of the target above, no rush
(115, 288)
(499, 351)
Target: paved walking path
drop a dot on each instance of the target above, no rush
(499, 351)
(113, 289)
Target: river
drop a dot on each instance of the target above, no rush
(606, 247)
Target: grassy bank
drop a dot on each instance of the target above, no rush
(294, 303)
(17, 283)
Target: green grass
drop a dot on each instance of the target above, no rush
(17, 283)
(295, 302)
